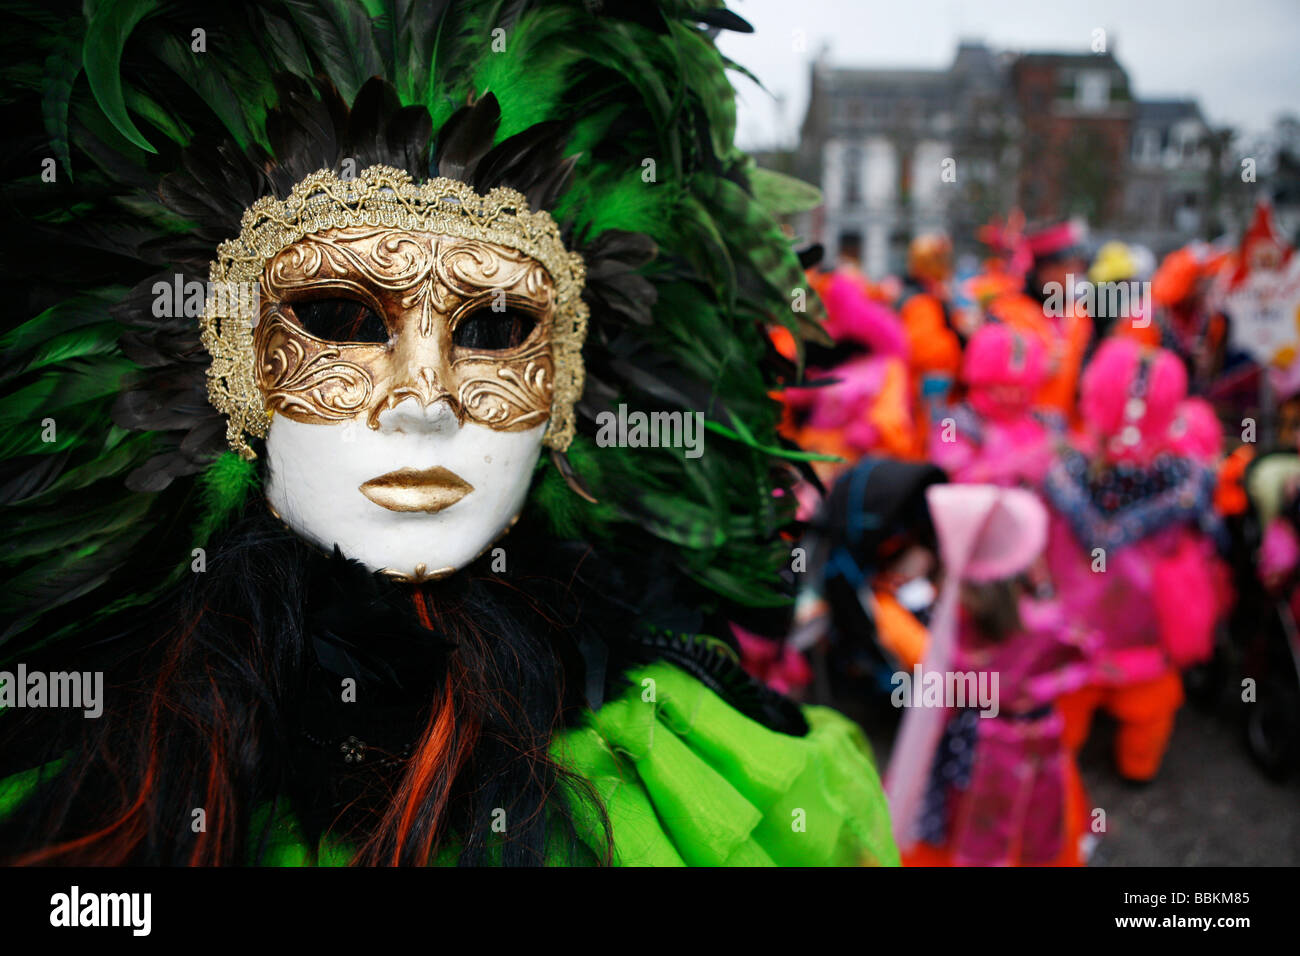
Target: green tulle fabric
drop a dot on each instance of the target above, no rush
(687, 780)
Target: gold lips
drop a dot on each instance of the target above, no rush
(408, 489)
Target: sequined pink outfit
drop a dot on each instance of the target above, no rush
(1140, 569)
(1151, 589)
(1012, 810)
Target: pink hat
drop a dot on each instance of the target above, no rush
(986, 532)
(1129, 397)
(1055, 239)
(999, 355)
(851, 315)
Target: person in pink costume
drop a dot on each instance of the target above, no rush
(868, 408)
(1131, 549)
(993, 784)
(1275, 487)
(996, 435)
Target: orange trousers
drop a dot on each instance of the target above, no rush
(1145, 712)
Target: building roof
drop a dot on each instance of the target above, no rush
(839, 79)
(1068, 59)
(1166, 112)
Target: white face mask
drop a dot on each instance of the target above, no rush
(411, 378)
(319, 477)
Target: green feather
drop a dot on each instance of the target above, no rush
(113, 463)
(145, 106)
(612, 198)
(704, 73)
(223, 488)
(340, 36)
(569, 516)
(78, 343)
(62, 68)
(67, 315)
(111, 23)
(528, 76)
(211, 86)
(783, 195)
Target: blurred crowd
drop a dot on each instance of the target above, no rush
(1076, 468)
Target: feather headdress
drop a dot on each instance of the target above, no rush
(141, 131)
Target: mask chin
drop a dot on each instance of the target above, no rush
(436, 493)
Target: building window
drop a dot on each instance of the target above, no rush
(1147, 145)
(852, 176)
(850, 246)
(1092, 89)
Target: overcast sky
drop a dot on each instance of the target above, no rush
(1239, 58)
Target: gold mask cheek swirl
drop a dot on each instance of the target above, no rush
(427, 289)
(307, 379)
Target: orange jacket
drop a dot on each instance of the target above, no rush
(932, 346)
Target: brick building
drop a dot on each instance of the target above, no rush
(876, 142)
(1057, 134)
(1077, 112)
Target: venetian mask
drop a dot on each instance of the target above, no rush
(411, 369)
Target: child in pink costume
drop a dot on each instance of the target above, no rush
(997, 436)
(999, 786)
(1130, 550)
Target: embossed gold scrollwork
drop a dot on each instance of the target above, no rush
(307, 378)
(511, 395)
(471, 267)
(354, 258)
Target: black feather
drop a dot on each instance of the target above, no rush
(724, 19)
(466, 138)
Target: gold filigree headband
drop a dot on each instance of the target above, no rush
(381, 196)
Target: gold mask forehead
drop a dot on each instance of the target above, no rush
(380, 196)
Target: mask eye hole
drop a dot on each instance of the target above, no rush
(340, 320)
(489, 331)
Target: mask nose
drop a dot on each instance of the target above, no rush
(416, 397)
(413, 415)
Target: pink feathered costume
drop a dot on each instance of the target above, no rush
(869, 406)
(1129, 551)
